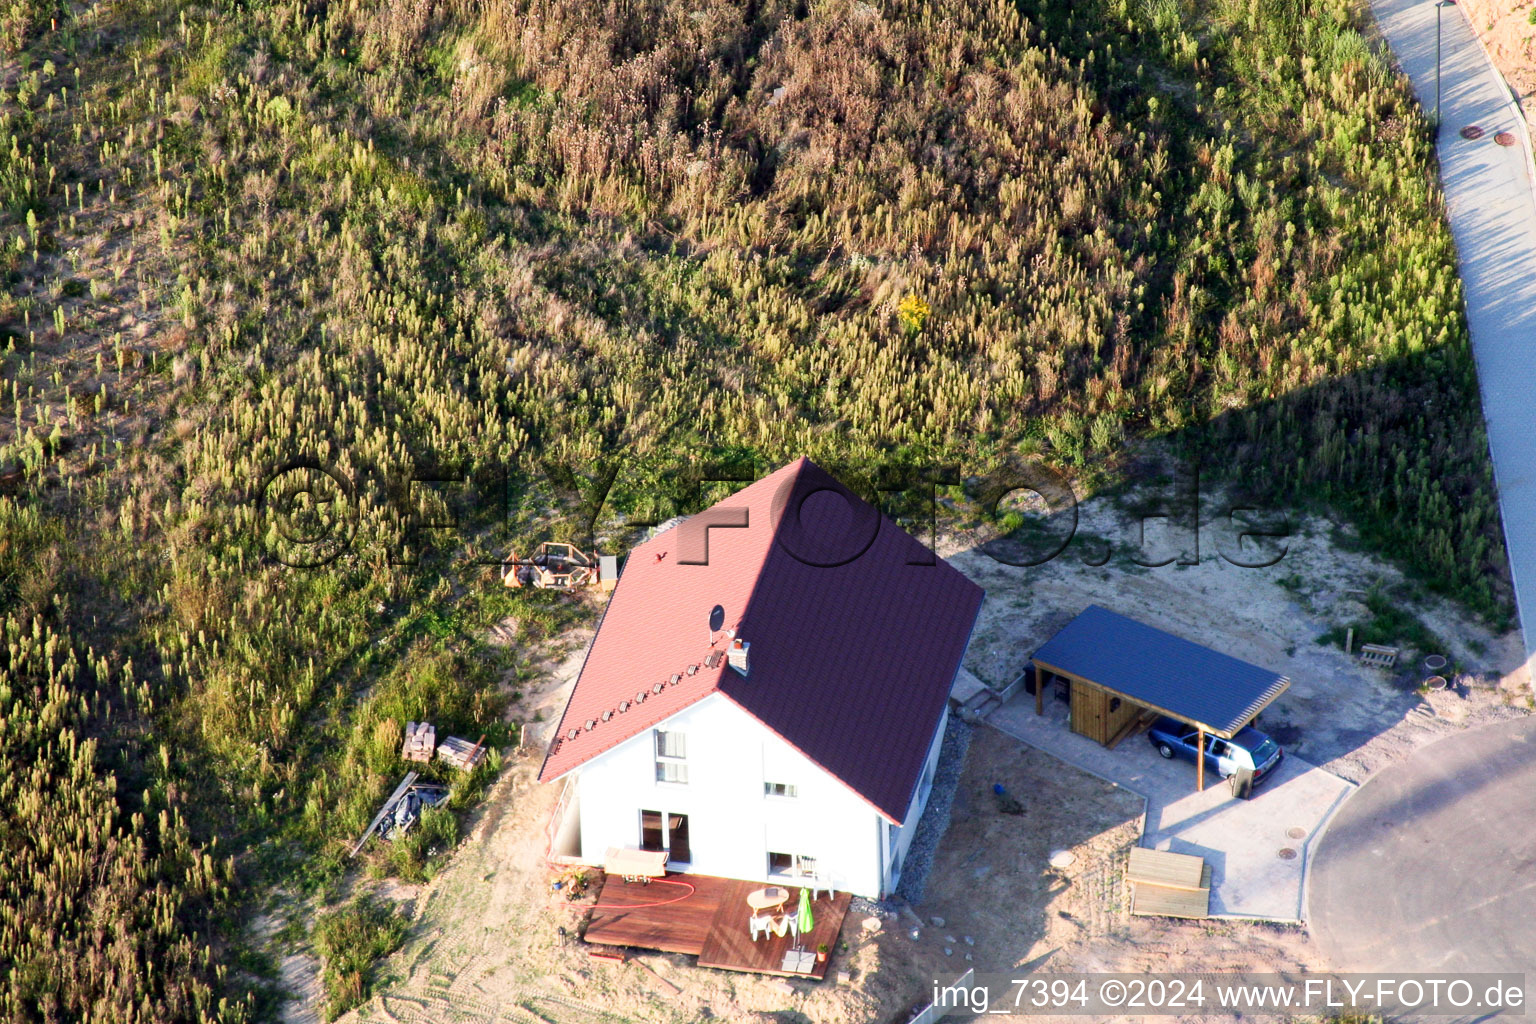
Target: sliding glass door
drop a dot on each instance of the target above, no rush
(659, 831)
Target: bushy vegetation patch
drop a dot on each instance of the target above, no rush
(350, 940)
(288, 283)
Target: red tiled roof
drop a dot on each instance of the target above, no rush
(856, 632)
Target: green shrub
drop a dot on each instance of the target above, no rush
(414, 857)
(351, 940)
(1390, 623)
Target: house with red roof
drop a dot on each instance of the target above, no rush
(767, 692)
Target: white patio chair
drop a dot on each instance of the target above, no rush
(780, 925)
(818, 884)
(759, 925)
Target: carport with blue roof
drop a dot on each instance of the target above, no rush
(1118, 669)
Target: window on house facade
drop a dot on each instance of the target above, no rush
(779, 789)
(668, 832)
(791, 864)
(671, 756)
(652, 837)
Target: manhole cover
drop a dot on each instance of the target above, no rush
(1505, 138)
(1472, 131)
(1296, 833)
(1286, 853)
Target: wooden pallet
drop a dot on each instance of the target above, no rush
(1379, 655)
(1164, 901)
(461, 753)
(420, 741)
(1165, 884)
(1172, 870)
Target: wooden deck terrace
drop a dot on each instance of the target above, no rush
(710, 922)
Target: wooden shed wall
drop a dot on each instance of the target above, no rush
(1092, 715)
(1120, 718)
(1088, 706)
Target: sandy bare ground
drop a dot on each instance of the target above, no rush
(486, 942)
(1073, 919)
(486, 945)
(1339, 714)
(539, 708)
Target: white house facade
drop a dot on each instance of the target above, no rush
(725, 796)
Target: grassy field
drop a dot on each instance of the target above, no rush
(290, 282)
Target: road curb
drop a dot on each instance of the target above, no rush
(1315, 836)
(1508, 92)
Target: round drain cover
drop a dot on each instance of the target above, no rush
(1296, 833)
(1505, 138)
(1472, 131)
(1286, 853)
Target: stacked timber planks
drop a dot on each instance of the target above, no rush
(1167, 884)
(420, 741)
(461, 753)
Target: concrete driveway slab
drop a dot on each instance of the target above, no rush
(1242, 840)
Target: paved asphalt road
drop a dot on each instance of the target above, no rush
(1492, 211)
(1431, 865)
